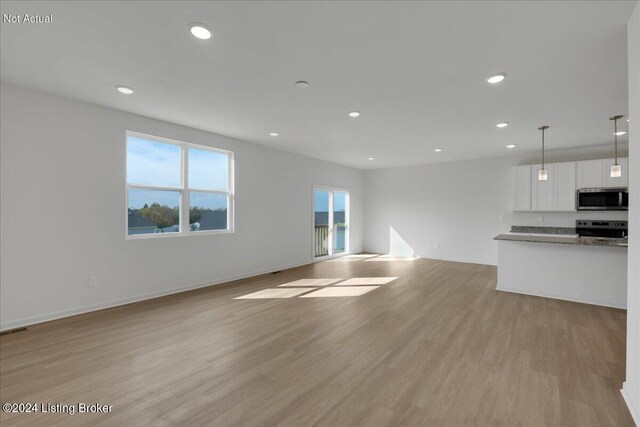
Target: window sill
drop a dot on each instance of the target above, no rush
(170, 235)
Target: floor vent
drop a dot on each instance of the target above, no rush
(13, 331)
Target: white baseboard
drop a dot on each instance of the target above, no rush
(631, 404)
(612, 304)
(29, 321)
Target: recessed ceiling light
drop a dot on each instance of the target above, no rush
(200, 31)
(620, 133)
(354, 114)
(125, 90)
(370, 158)
(496, 78)
(511, 146)
(502, 125)
(437, 150)
(302, 84)
(274, 134)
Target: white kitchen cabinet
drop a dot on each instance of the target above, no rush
(522, 188)
(597, 173)
(542, 192)
(589, 174)
(564, 186)
(621, 181)
(558, 192)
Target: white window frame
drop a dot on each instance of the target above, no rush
(347, 213)
(184, 189)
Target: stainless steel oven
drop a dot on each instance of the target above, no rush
(602, 199)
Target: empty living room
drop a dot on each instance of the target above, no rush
(320, 213)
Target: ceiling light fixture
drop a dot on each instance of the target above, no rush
(542, 173)
(619, 133)
(437, 150)
(302, 84)
(354, 114)
(200, 31)
(496, 78)
(370, 158)
(274, 134)
(511, 146)
(125, 90)
(502, 125)
(616, 169)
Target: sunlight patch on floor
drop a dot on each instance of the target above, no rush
(311, 282)
(334, 287)
(367, 281)
(345, 291)
(275, 293)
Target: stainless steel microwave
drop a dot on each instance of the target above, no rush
(602, 199)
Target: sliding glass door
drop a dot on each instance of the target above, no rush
(331, 222)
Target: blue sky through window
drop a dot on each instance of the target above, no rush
(321, 198)
(152, 163)
(208, 170)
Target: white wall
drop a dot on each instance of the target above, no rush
(63, 211)
(631, 388)
(453, 210)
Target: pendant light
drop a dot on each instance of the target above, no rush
(542, 173)
(616, 169)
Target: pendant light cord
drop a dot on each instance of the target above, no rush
(615, 135)
(543, 148)
(542, 128)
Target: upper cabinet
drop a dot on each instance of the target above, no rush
(596, 173)
(589, 174)
(564, 190)
(558, 192)
(522, 188)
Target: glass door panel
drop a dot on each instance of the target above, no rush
(339, 222)
(321, 238)
(331, 222)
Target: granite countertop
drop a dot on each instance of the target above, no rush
(565, 235)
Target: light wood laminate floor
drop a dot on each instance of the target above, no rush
(436, 346)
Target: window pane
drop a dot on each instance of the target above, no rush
(153, 163)
(207, 211)
(208, 170)
(321, 223)
(339, 221)
(153, 211)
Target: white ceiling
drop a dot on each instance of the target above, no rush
(415, 70)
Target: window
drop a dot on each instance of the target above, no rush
(176, 189)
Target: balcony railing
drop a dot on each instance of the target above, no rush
(321, 241)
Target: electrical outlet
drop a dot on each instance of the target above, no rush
(92, 282)
(540, 218)
(438, 245)
(501, 218)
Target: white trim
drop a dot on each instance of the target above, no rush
(183, 189)
(30, 321)
(631, 404)
(603, 303)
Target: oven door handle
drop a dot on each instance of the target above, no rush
(619, 199)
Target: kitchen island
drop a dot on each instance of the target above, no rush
(563, 266)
